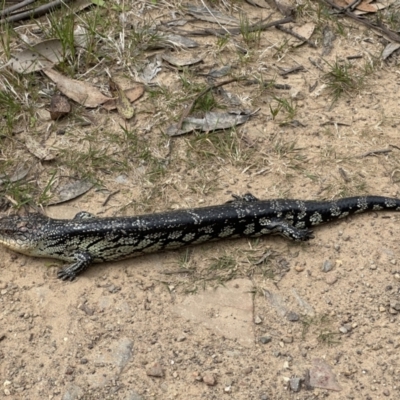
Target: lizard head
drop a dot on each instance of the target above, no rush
(22, 233)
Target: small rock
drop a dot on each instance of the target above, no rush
(331, 279)
(292, 316)
(295, 384)
(265, 339)
(287, 339)
(386, 393)
(392, 311)
(326, 266)
(382, 309)
(181, 338)
(257, 320)
(209, 379)
(248, 370)
(343, 329)
(395, 304)
(299, 268)
(155, 370)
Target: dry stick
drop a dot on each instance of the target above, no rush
(353, 5)
(296, 35)
(36, 12)
(381, 28)
(373, 152)
(259, 26)
(15, 7)
(189, 108)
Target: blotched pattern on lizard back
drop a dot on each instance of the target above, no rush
(86, 239)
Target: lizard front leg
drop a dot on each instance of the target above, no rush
(82, 260)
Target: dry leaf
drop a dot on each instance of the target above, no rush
(38, 150)
(180, 41)
(124, 106)
(389, 50)
(181, 62)
(212, 121)
(305, 31)
(341, 3)
(132, 94)
(258, 3)
(42, 55)
(364, 6)
(211, 15)
(322, 376)
(71, 191)
(151, 70)
(81, 92)
(59, 107)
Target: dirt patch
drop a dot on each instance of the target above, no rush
(210, 321)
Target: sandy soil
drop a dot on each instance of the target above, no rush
(181, 326)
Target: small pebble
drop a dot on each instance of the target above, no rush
(265, 339)
(343, 329)
(326, 266)
(209, 379)
(181, 338)
(287, 339)
(155, 370)
(248, 370)
(257, 320)
(395, 304)
(331, 279)
(295, 384)
(292, 316)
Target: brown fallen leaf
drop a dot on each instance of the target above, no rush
(132, 94)
(181, 61)
(322, 376)
(124, 106)
(212, 121)
(81, 92)
(304, 31)
(71, 191)
(40, 56)
(364, 6)
(59, 107)
(38, 150)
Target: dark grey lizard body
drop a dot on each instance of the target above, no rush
(87, 239)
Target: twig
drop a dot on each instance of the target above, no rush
(373, 152)
(109, 197)
(353, 5)
(189, 108)
(380, 27)
(259, 26)
(36, 12)
(15, 7)
(296, 35)
(291, 70)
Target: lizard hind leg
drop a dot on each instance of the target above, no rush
(289, 231)
(246, 198)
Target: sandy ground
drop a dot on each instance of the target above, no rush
(178, 325)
